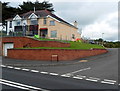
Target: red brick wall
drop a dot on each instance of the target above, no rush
(46, 54)
(20, 42)
(29, 42)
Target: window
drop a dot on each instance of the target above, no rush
(34, 22)
(18, 23)
(73, 36)
(44, 21)
(10, 24)
(52, 23)
(53, 34)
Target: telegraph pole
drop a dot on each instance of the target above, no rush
(102, 39)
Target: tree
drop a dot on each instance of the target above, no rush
(9, 11)
(112, 44)
(100, 39)
(29, 6)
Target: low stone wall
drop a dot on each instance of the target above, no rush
(52, 54)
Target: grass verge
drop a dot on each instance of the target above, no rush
(73, 45)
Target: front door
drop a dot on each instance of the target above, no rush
(43, 33)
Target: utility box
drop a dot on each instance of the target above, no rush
(54, 58)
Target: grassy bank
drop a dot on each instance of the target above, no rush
(73, 45)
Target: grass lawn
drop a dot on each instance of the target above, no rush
(45, 39)
(77, 45)
(73, 45)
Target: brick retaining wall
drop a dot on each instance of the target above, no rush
(29, 42)
(20, 42)
(46, 54)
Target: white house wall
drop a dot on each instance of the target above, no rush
(24, 22)
(4, 28)
(14, 23)
(8, 27)
(17, 17)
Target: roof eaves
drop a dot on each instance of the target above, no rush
(53, 18)
(9, 19)
(69, 25)
(63, 21)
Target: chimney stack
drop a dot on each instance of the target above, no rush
(75, 23)
(34, 9)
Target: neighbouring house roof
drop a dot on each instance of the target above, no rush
(42, 13)
(9, 19)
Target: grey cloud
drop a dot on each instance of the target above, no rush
(87, 13)
(84, 12)
(112, 38)
(113, 23)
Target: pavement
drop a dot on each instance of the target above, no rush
(25, 63)
(97, 72)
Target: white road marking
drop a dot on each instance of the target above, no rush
(76, 77)
(107, 82)
(17, 68)
(80, 70)
(71, 73)
(34, 71)
(93, 80)
(15, 83)
(25, 69)
(65, 75)
(9, 67)
(55, 74)
(44, 72)
(2, 65)
(81, 76)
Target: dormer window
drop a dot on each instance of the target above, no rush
(33, 21)
(17, 17)
(33, 16)
(18, 22)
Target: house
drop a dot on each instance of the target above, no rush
(42, 23)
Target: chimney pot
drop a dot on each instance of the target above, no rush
(75, 23)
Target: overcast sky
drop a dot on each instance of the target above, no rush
(94, 17)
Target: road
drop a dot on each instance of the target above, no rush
(98, 72)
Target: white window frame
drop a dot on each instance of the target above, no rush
(31, 16)
(33, 20)
(52, 23)
(10, 24)
(54, 36)
(44, 21)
